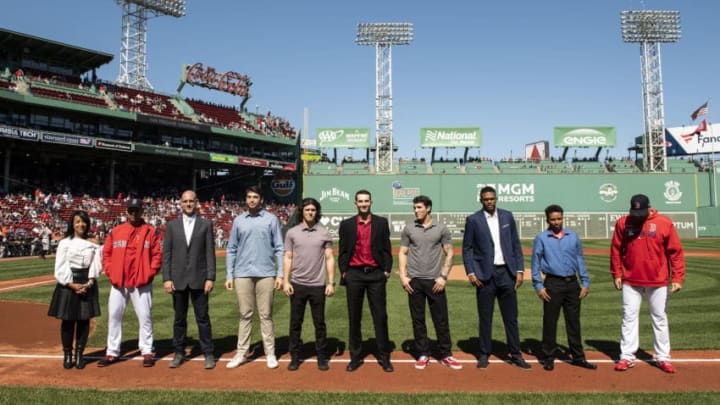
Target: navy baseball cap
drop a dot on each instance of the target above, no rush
(639, 205)
(135, 203)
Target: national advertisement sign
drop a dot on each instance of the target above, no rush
(450, 137)
(343, 138)
(584, 137)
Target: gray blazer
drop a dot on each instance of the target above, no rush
(188, 265)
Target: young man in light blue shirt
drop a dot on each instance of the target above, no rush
(254, 270)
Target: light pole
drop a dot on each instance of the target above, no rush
(133, 50)
(649, 28)
(383, 36)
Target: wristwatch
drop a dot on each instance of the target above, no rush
(444, 276)
(332, 284)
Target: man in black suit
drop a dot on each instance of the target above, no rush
(365, 260)
(493, 261)
(188, 268)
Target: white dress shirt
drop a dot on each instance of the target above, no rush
(188, 225)
(493, 222)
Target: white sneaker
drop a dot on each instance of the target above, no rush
(237, 360)
(272, 361)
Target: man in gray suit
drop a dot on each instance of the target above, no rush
(188, 268)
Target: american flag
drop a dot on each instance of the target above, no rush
(701, 128)
(702, 110)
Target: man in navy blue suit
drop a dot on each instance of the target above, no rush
(493, 260)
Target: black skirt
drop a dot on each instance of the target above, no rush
(69, 306)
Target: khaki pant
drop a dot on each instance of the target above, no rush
(252, 291)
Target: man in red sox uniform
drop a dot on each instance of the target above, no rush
(132, 256)
(645, 256)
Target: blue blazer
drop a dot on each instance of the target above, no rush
(479, 249)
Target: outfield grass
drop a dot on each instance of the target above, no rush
(15, 395)
(694, 323)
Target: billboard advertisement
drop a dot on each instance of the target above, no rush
(692, 140)
(343, 138)
(450, 137)
(537, 150)
(584, 137)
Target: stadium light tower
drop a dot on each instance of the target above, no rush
(383, 36)
(133, 51)
(650, 28)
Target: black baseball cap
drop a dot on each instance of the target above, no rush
(639, 205)
(135, 203)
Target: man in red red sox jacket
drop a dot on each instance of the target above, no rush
(132, 256)
(646, 256)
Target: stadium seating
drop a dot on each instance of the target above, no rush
(144, 102)
(681, 166)
(480, 167)
(67, 96)
(355, 168)
(445, 167)
(412, 167)
(223, 116)
(20, 214)
(518, 167)
(322, 168)
(589, 167)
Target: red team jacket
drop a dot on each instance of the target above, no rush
(640, 256)
(148, 251)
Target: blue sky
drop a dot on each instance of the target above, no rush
(515, 69)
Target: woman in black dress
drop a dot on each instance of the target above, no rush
(78, 263)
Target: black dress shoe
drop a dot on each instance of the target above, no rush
(323, 364)
(354, 365)
(387, 366)
(584, 364)
(294, 364)
(549, 364)
(520, 362)
(483, 362)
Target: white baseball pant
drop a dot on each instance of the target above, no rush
(141, 298)
(657, 303)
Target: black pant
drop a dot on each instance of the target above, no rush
(358, 283)
(501, 286)
(315, 295)
(202, 317)
(422, 291)
(565, 295)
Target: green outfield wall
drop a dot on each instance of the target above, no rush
(592, 202)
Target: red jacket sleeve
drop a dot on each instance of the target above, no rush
(616, 248)
(107, 254)
(156, 246)
(675, 255)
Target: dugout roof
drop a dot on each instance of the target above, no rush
(55, 53)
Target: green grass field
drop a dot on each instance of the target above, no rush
(694, 324)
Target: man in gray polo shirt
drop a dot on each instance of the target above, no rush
(423, 274)
(309, 276)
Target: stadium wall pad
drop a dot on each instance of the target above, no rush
(592, 202)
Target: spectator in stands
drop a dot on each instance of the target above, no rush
(75, 300)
